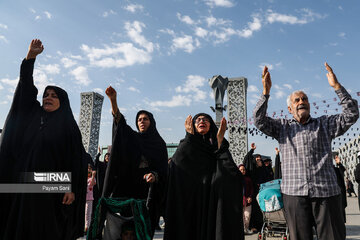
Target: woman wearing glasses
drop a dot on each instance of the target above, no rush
(204, 199)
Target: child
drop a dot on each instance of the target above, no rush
(89, 196)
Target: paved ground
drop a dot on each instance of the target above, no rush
(352, 225)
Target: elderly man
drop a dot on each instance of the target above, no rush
(310, 191)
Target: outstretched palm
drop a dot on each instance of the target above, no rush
(333, 82)
(221, 131)
(35, 48)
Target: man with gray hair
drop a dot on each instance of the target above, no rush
(311, 194)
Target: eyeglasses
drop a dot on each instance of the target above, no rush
(199, 120)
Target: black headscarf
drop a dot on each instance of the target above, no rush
(204, 200)
(124, 177)
(128, 149)
(38, 141)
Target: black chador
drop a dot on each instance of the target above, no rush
(134, 154)
(34, 140)
(204, 200)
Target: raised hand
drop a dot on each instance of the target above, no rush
(253, 146)
(35, 48)
(337, 159)
(266, 81)
(188, 125)
(111, 93)
(221, 131)
(277, 151)
(333, 82)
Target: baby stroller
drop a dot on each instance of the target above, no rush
(114, 216)
(272, 207)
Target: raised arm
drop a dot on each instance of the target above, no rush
(333, 82)
(264, 123)
(221, 132)
(26, 92)
(188, 125)
(340, 123)
(111, 93)
(266, 81)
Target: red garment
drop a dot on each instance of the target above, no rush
(248, 190)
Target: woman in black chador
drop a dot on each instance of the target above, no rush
(204, 199)
(41, 139)
(138, 160)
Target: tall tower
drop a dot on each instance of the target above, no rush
(89, 122)
(237, 118)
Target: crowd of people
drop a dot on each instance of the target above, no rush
(201, 192)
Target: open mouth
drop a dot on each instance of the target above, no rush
(48, 104)
(302, 107)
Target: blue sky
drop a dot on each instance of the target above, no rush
(159, 54)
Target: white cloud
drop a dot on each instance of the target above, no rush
(4, 102)
(3, 38)
(67, 62)
(134, 30)
(219, 3)
(339, 54)
(3, 26)
(37, 17)
(342, 35)
(119, 55)
(287, 86)
(134, 7)
(81, 76)
(12, 83)
(41, 80)
(108, 13)
(48, 15)
(168, 31)
(224, 35)
(297, 81)
(252, 88)
(176, 101)
(254, 98)
(98, 90)
(279, 94)
(50, 68)
(192, 86)
(186, 19)
(1, 87)
(185, 43)
(201, 32)
(133, 89)
(307, 16)
(212, 21)
(253, 26)
(32, 10)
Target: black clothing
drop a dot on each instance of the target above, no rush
(303, 212)
(204, 199)
(134, 154)
(278, 174)
(34, 140)
(340, 170)
(100, 168)
(258, 176)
